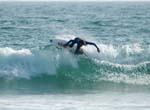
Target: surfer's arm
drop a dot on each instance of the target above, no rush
(91, 43)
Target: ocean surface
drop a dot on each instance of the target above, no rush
(35, 76)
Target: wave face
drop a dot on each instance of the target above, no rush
(111, 65)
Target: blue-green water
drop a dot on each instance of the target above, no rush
(33, 77)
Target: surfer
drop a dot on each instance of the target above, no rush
(80, 42)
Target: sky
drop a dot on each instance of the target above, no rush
(78, 0)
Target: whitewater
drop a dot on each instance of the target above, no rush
(108, 64)
(36, 75)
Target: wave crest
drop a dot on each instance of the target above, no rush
(27, 64)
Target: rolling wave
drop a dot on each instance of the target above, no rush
(125, 64)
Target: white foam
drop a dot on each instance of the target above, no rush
(25, 63)
(130, 53)
(6, 51)
(143, 79)
(133, 49)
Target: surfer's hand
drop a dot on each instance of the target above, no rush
(98, 50)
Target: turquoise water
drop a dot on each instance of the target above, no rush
(34, 77)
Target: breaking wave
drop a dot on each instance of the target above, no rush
(126, 64)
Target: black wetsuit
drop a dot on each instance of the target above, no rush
(80, 43)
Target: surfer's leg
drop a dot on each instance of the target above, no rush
(66, 44)
(78, 48)
(72, 43)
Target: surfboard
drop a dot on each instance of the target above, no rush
(59, 43)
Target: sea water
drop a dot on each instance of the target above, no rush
(36, 77)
